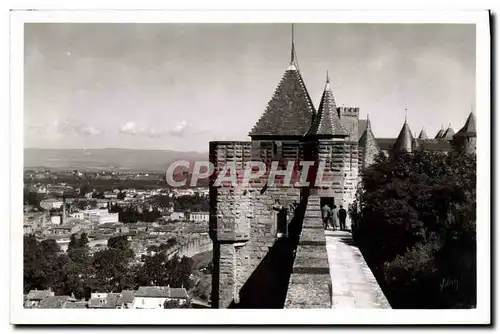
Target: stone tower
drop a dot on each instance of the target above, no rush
(368, 147)
(440, 133)
(404, 143)
(337, 154)
(464, 141)
(243, 222)
(448, 133)
(423, 134)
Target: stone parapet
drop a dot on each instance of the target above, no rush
(310, 285)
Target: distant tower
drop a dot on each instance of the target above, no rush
(464, 141)
(63, 217)
(350, 119)
(448, 133)
(404, 141)
(423, 134)
(440, 132)
(368, 146)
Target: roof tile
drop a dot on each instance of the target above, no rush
(327, 121)
(469, 128)
(290, 111)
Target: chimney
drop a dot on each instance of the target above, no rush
(63, 217)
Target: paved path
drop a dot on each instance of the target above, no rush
(353, 283)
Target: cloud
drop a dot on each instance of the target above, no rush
(129, 128)
(179, 129)
(59, 128)
(87, 130)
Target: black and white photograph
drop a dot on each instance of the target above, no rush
(303, 164)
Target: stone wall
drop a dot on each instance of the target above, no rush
(349, 116)
(195, 246)
(340, 178)
(230, 215)
(243, 224)
(310, 285)
(242, 220)
(463, 144)
(367, 155)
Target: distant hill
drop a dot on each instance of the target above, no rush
(106, 159)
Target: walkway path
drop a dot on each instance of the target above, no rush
(353, 283)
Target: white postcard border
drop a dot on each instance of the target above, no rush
(19, 315)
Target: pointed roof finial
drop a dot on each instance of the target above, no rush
(292, 56)
(327, 85)
(406, 115)
(368, 124)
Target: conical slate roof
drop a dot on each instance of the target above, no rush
(290, 110)
(449, 133)
(327, 121)
(469, 129)
(367, 138)
(404, 141)
(440, 133)
(368, 146)
(423, 135)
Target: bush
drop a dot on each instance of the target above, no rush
(414, 219)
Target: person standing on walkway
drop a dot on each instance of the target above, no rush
(325, 214)
(342, 217)
(334, 217)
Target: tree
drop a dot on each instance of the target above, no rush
(154, 271)
(120, 242)
(111, 268)
(78, 250)
(179, 271)
(44, 266)
(414, 220)
(172, 303)
(33, 198)
(84, 188)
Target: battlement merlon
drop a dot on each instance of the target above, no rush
(354, 111)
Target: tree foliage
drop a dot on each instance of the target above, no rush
(112, 270)
(158, 269)
(415, 222)
(175, 304)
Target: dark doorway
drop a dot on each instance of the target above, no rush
(330, 201)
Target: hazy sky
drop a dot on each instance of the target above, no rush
(178, 86)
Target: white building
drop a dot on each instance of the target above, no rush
(56, 220)
(77, 215)
(199, 216)
(178, 215)
(98, 295)
(150, 297)
(99, 216)
(48, 204)
(154, 297)
(110, 195)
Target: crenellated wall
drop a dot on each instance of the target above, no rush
(349, 116)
